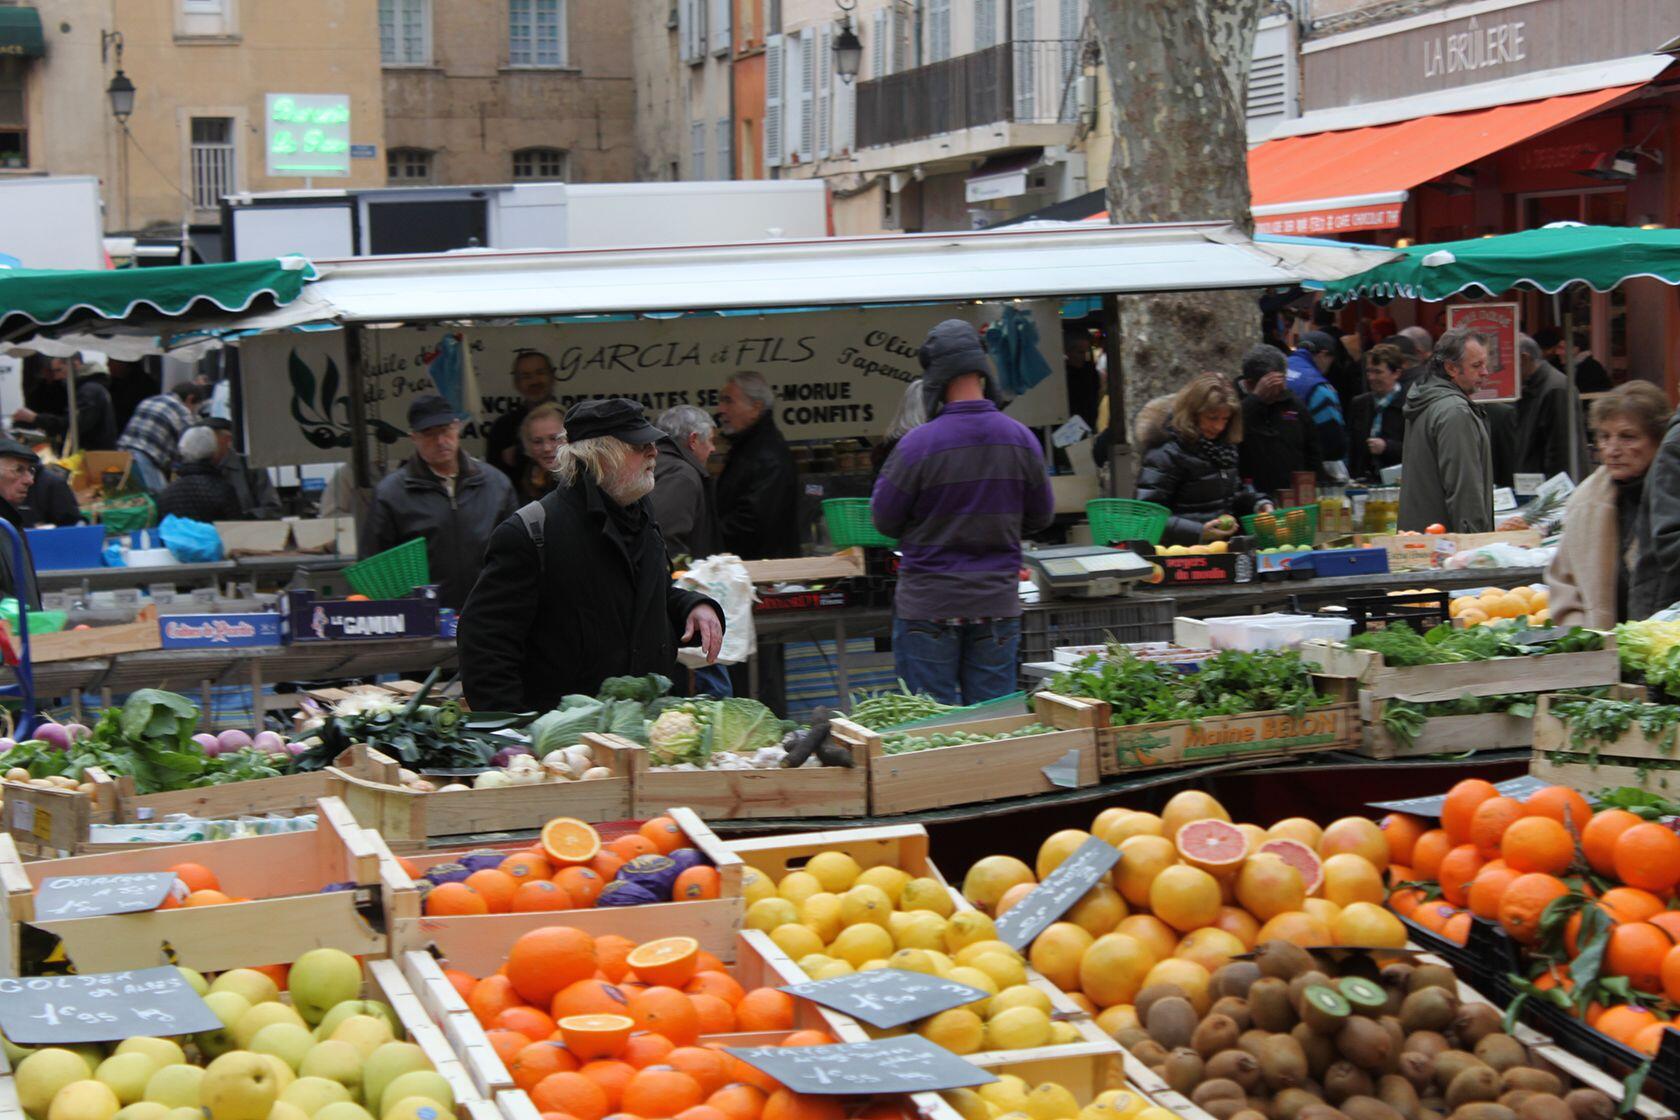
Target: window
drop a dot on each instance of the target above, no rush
(775, 78)
(536, 32)
(14, 119)
(408, 167)
(405, 32)
(539, 163)
(719, 24)
(203, 7)
(772, 17)
(206, 19)
(985, 24)
(725, 149)
(697, 150)
(825, 89)
(939, 30)
(691, 29)
(807, 95)
(213, 161)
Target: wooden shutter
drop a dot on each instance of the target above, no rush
(825, 91)
(775, 78)
(721, 25)
(807, 95)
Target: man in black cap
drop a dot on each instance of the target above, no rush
(443, 495)
(1313, 356)
(18, 466)
(257, 499)
(574, 587)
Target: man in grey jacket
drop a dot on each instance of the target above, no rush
(683, 502)
(1447, 477)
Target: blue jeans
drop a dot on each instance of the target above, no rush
(957, 664)
(713, 680)
(151, 479)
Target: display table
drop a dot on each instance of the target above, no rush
(187, 576)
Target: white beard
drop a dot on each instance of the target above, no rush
(627, 491)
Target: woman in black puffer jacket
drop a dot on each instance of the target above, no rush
(1189, 443)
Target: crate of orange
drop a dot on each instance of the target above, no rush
(724, 795)
(669, 874)
(252, 901)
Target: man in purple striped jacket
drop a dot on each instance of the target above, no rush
(959, 493)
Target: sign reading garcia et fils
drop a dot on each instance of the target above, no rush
(308, 135)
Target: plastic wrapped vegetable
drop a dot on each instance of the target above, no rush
(675, 737)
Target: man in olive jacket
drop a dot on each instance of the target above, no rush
(1446, 475)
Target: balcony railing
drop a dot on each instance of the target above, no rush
(1030, 81)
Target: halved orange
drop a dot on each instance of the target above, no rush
(596, 1036)
(669, 962)
(570, 841)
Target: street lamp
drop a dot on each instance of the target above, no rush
(848, 48)
(121, 93)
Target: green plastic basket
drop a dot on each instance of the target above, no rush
(1126, 519)
(1302, 533)
(849, 524)
(127, 514)
(393, 573)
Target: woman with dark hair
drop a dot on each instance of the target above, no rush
(1190, 442)
(1376, 420)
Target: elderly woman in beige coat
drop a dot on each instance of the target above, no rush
(1603, 572)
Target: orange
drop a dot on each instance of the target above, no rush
(697, 882)
(631, 846)
(196, 876)
(584, 884)
(1647, 855)
(1434, 915)
(1408, 900)
(646, 1048)
(751, 1075)
(1630, 904)
(1669, 920)
(707, 1067)
(507, 1044)
(462, 982)
(1538, 844)
(1624, 1023)
(1401, 831)
(451, 898)
(784, 1104)
(596, 1036)
(1649, 1039)
(668, 1012)
(606, 864)
(537, 1061)
(527, 866)
(668, 962)
(1562, 805)
(709, 962)
(490, 997)
(540, 895)
(1457, 870)
(1525, 900)
(1489, 822)
(1431, 848)
(1598, 839)
(739, 1101)
(659, 1091)
(701, 1112)
(587, 997)
(719, 984)
(665, 834)
(1457, 928)
(612, 955)
(568, 841)
(206, 898)
(612, 1076)
(495, 887)
(809, 1038)
(545, 960)
(1636, 951)
(1486, 889)
(571, 1093)
(716, 1015)
(1670, 974)
(765, 1009)
(528, 1021)
(1460, 806)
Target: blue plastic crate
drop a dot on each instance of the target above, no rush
(1347, 561)
(69, 546)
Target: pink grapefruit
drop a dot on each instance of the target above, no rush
(1213, 845)
(1301, 858)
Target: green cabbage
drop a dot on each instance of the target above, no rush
(742, 726)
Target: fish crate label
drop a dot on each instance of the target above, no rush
(1223, 736)
(224, 631)
(887, 997)
(90, 896)
(1518, 789)
(102, 1007)
(909, 1064)
(1064, 886)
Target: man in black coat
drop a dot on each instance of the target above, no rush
(758, 492)
(1279, 437)
(96, 427)
(1546, 411)
(50, 501)
(199, 491)
(1376, 421)
(18, 465)
(684, 501)
(574, 587)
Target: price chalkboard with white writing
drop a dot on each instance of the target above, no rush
(101, 1007)
(1518, 789)
(89, 896)
(887, 997)
(1061, 889)
(908, 1064)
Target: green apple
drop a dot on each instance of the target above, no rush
(262, 1015)
(84, 1100)
(162, 1051)
(239, 1085)
(366, 1033)
(287, 1041)
(175, 1086)
(127, 1074)
(343, 1110)
(284, 1111)
(342, 1011)
(142, 1110)
(42, 1074)
(416, 1108)
(196, 979)
(336, 1060)
(229, 1007)
(14, 1052)
(420, 1083)
(388, 1063)
(184, 1113)
(312, 1094)
(321, 979)
(255, 986)
(284, 1075)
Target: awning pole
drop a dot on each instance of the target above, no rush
(1576, 468)
(1116, 394)
(359, 471)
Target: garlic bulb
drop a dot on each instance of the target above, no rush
(492, 779)
(595, 772)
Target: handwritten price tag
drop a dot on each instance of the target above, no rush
(909, 1064)
(1061, 889)
(101, 1007)
(89, 896)
(887, 997)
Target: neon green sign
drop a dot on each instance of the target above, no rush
(308, 134)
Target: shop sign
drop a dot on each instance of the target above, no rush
(1475, 48)
(1320, 223)
(1497, 322)
(308, 135)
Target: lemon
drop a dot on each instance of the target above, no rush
(967, 927)
(832, 969)
(913, 960)
(1124, 1102)
(871, 966)
(797, 886)
(1019, 1028)
(1154, 1112)
(860, 943)
(926, 894)
(1051, 1101)
(865, 904)
(1008, 1093)
(889, 879)
(756, 885)
(813, 961)
(968, 952)
(1063, 1034)
(919, 929)
(796, 940)
(969, 1104)
(958, 1030)
(837, 871)
(974, 978)
(940, 961)
(768, 913)
(822, 913)
(1006, 970)
(1020, 995)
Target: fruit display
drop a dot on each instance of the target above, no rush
(1034, 1098)
(1213, 548)
(297, 1042)
(1492, 605)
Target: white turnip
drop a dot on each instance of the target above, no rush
(233, 740)
(269, 742)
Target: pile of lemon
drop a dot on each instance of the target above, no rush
(1495, 605)
(1011, 1098)
(834, 918)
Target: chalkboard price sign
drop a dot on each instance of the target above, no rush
(1061, 889)
(89, 896)
(101, 1007)
(1518, 789)
(887, 997)
(909, 1064)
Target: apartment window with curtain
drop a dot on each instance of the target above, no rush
(215, 161)
(536, 164)
(938, 30)
(697, 150)
(14, 116)
(408, 167)
(536, 32)
(405, 32)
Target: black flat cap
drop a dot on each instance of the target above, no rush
(15, 450)
(1316, 342)
(618, 417)
(430, 411)
(218, 423)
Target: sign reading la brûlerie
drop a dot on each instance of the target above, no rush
(1497, 322)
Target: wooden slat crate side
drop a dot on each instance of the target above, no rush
(1553, 734)
(904, 846)
(961, 775)
(1070, 712)
(1250, 735)
(465, 812)
(1084, 1075)
(1551, 672)
(1441, 734)
(1607, 774)
(808, 791)
(46, 822)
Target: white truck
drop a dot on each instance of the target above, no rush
(52, 221)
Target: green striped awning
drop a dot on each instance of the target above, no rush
(20, 33)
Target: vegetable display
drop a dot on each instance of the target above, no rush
(1400, 645)
(1594, 722)
(903, 742)
(1405, 719)
(1229, 683)
(419, 735)
(1651, 651)
(881, 710)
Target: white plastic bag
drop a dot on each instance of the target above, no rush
(724, 578)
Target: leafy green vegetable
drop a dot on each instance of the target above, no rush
(889, 708)
(419, 735)
(1400, 645)
(1229, 683)
(1405, 719)
(643, 690)
(904, 742)
(1596, 722)
(741, 726)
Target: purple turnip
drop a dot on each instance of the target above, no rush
(78, 731)
(208, 743)
(269, 742)
(54, 735)
(7, 745)
(507, 754)
(295, 749)
(233, 740)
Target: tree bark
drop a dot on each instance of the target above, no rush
(1178, 73)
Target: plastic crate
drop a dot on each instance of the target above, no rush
(393, 573)
(1304, 534)
(1126, 519)
(849, 524)
(1140, 620)
(65, 547)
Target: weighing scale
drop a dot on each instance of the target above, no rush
(1085, 571)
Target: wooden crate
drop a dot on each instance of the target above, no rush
(961, 775)
(1634, 759)
(904, 846)
(478, 943)
(1546, 672)
(95, 642)
(1441, 734)
(282, 875)
(733, 795)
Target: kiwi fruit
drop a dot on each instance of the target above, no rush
(1146, 998)
(1323, 1009)
(1368, 1108)
(1233, 979)
(1129, 1037)
(1320, 1049)
(1501, 1051)
(1474, 1022)
(1397, 974)
(1364, 1043)
(1252, 1040)
(1250, 1114)
(1450, 1063)
(1343, 1080)
(1364, 996)
(1171, 1021)
(1234, 1009)
(1426, 1042)
(1183, 1069)
(1322, 1111)
(1431, 1114)
(1432, 976)
(1428, 1009)
(1218, 1088)
(1223, 1108)
(1213, 1034)
(1513, 1098)
(1417, 1068)
(1282, 1062)
(1483, 1110)
(1534, 1080)
(1544, 1106)
(1398, 1093)
(1396, 1038)
(1303, 981)
(1590, 1104)
(1235, 1065)
(1284, 960)
(1149, 1052)
(1269, 1006)
(1288, 1103)
(1477, 1083)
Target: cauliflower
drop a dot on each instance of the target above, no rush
(673, 738)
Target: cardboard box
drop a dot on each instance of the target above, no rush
(245, 538)
(220, 631)
(324, 534)
(310, 619)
